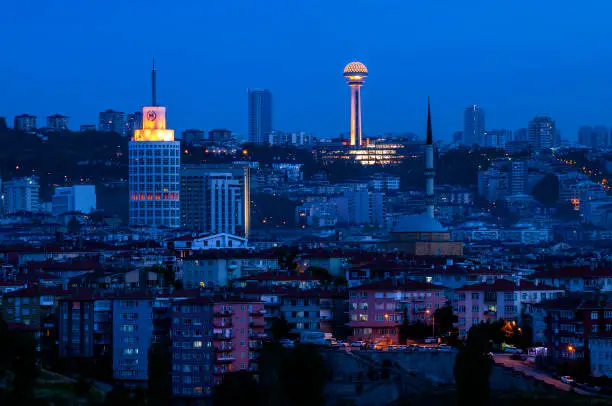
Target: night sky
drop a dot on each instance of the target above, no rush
(515, 58)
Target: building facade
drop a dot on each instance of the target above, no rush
(75, 326)
(259, 115)
(215, 198)
(81, 198)
(22, 194)
(154, 178)
(111, 121)
(133, 123)
(541, 132)
(25, 123)
(132, 332)
(57, 122)
(473, 125)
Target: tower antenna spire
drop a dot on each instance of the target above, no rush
(429, 132)
(154, 84)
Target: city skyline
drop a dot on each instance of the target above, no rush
(205, 89)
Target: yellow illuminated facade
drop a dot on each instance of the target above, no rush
(154, 125)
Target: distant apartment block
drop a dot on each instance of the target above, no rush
(22, 195)
(111, 121)
(57, 122)
(79, 198)
(25, 123)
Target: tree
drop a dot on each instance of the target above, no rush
(445, 319)
(24, 361)
(414, 331)
(280, 328)
(473, 368)
(74, 227)
(238, 388)
(303, 376)
(546, 191)
(160, 380)
(320, 273)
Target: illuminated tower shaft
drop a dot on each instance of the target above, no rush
(355, 74)
(356, 114)
(429, 167)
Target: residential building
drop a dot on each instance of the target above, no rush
(132, 332)
(22, 195)
(518, 177)
(111, 121)
(133, 123)
(259, 115)
(33, 306)
(193, 137)
(57, 122)
(575, 278)
(521, 135)
(215, 198)
(600, 353)
(193, 354)
(541, 132)
(458, 137)
(473, 125)
(76, 198)
(377, 310)
(25, 123)
(382, 182)
(75, 326)
(220, 135)
(497, 138)
(497, 299)
(302, 310)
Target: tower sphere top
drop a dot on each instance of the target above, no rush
(355, 69)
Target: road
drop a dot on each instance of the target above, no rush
(528, 369)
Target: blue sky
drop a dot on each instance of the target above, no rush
(515, 58)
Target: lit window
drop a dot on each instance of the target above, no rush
(197, 344)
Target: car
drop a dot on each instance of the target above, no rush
(567, 379)
(287, 343)
(430, 340)
(512, 350)
(517, 357)
(357, 344)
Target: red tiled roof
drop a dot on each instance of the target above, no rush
(279, 277)
(403, 285)
(504, 285)
(569, 272)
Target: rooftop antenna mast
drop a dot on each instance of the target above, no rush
(154, 84)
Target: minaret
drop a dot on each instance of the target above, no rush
(154, 85)
(429, 166)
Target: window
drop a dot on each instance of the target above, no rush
(380, 317)
(475, 308)
(475, 321)
(475, 296)
(363, 317)
(461, 296)
(363, 294)
(129, 351)
(129, 340)
(363, 306)
(128, 316)
(197, 344)
(608, 314)
(594, 315)
(594, 328)
(128, 328)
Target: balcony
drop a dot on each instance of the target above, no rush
(257, 335)
(257, 324)
(222, 359)
(220, 337)
(255, 346)
(220, 371)
(224, 348)
(256, 313)
(222, 323)
(224, 313)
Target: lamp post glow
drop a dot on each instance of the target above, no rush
(433, 322)
(355, 74)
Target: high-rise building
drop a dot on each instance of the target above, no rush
(260, 115)
(518, 177)
(22, 194)
(355, 74)
(57, 122)
(584, 135)
(87, 127)
(220, 135)
(132, 332)
(430, 172)
(520, 134)
(133, 123)
(473, 125)
(458, 137)
(215, 198)
(541, 132)
(193, 137)
(497, 138)
(600, 136)
(80, 198)
(154, 171)
(112, 121)
(25, 123)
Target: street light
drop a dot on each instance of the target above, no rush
(571, 349)
(433, 322)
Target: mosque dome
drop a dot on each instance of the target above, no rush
(355, 68)
(418, 223)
